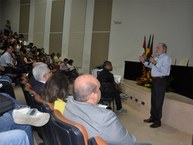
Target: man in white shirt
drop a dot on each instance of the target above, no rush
(160, 69)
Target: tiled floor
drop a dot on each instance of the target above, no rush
(133, 121)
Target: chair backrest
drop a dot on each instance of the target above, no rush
(46, 132)
(173, 61)
(59, 130)
(29, 96)
(25, 87)
(183, 62)
(71, 133)
(68, 132)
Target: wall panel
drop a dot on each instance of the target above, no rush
(101, 32)
(77, 31)
(56, 28)
(24, 18)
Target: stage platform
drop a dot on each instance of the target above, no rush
(177, 109)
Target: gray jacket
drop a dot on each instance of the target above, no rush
(98, 122)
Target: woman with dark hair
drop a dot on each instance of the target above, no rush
(56, 90)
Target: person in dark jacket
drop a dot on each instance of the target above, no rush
(108, 86)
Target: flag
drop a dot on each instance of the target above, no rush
(151, 48)
(148, 47)
(144, 44)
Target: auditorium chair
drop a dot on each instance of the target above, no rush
(71, 133)
(61, 131)
(24, 86)
(29, 97)
(46, 132)
(34, 101)
(58, 130)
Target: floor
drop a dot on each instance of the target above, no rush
(133, 121)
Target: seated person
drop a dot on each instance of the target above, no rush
(55, 90)
(6, 85)
(70, 65)
(57, 58)
(16, 137)
(8, 61)
(72, 72)
(63, 65)
(108, 86)
(41, 73)
(7, 122)
(82, 108)
(32, 80)
(17, 117)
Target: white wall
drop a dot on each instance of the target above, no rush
(11, 11)
(170, 22)
(39, 23)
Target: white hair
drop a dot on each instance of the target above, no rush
(40, 70)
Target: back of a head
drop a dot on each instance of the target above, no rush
(84, 85)
(55, 87)
(70, 62)
(106, 63)
(65, 60)
(40, 70)
(58, 55)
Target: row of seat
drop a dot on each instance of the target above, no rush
(182, 62)
(58, 130)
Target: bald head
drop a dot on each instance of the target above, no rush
(86, 89)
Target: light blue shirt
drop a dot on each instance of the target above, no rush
(162, 67)
(6, 59)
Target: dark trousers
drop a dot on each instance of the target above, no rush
(117, 98)
(109, 90)
(157, 98)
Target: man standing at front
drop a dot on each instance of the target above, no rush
(160, 69)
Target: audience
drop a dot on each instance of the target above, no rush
(9, 61)
(52, 55)
(55, 90)
(70, 65)
(108, 86)
(6, 85)
(14, 137)
(18, 117)
(41, 73)
(83, 109)
(64, 65)
(7, 122)
(57, 58)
